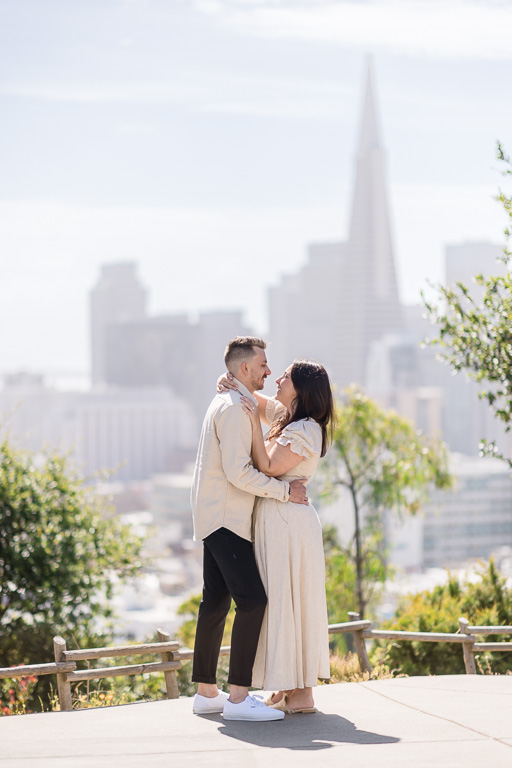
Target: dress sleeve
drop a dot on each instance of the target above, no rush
(273, 410)
(304, 438)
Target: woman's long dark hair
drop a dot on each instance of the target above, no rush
(314, 400)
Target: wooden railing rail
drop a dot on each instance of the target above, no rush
(349, 626)
(188, 653)
(426, 637)
(99, 673)
(109, 652)
(25, 670)
(481, 630)
(492, 646)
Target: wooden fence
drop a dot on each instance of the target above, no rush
(65, 667)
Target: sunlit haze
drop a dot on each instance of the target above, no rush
(211, 142)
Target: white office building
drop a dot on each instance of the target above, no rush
(472, 521)
(118, 297)
(129, 433)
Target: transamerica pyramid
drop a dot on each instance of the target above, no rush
(369, 306)
(346, 296)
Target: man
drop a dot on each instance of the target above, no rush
(223, 490)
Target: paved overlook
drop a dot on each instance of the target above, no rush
(453, 721)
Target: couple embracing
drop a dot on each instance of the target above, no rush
(262, 539)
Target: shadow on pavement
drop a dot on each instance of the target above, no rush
(315, 731)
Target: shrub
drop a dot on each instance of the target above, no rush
(486, 601)
(59, 547)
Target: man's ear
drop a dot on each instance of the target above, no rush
(244, 367)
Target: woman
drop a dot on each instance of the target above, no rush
(293, 650)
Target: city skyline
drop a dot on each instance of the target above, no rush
(202, 138)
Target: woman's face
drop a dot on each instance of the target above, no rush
(286, 393)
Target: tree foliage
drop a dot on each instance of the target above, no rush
(341, 580)
(475, 334)
(59, 549)
(486, 601)
(385, 464)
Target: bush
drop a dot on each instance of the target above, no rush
(346, 669)
(59, 547)
(15, 695)
(484, 602)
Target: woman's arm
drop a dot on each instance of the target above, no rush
(279, 459)
(225, 383)
(262, 401)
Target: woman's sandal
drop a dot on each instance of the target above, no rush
(282, 705)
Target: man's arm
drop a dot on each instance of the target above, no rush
(235, 436)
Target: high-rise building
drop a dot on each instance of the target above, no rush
(368, 305)
(131, 349)
(472, 521)
(214, 330)
(469, 419)
(302, 308)
(134, 433)
(152, 351)
(346, 296)
(118, 297)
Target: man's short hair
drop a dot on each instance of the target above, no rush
(241, 348)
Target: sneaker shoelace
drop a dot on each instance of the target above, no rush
(257, 701)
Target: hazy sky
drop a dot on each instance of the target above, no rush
(210, 141)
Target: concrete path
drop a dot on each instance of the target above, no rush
(417, 722)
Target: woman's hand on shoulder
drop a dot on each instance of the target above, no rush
(225, 383)
(251, 408)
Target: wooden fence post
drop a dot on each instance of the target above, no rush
(467, 648)
(171, 679)
(63, 687)
(359, 642)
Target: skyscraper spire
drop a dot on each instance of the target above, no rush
(369, 134)
(346, 298)
(370, 305)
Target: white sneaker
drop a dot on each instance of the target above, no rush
(252, 708)
(202, 705)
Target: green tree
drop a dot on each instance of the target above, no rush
(383, 463)
(485, 602)
(475, 334)
(341, 579)
(59, 550)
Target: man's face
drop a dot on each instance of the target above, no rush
(258, 369)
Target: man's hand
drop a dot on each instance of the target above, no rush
(298, 492)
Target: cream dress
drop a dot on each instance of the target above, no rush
(293, 649)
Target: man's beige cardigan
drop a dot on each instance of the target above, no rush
(225, 481)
